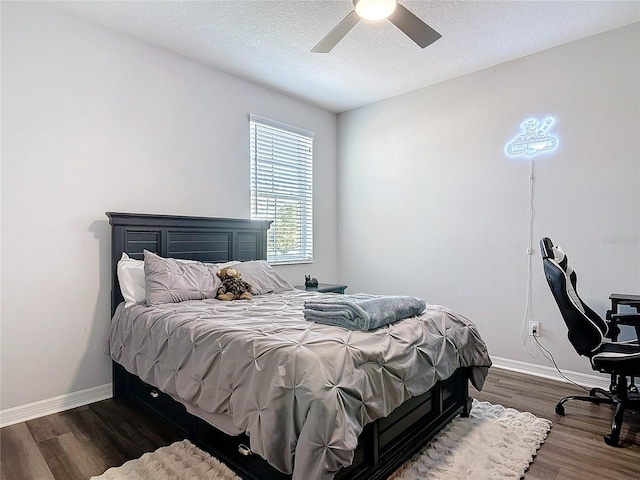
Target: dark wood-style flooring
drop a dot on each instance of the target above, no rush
(85, 441)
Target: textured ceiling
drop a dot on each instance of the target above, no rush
(269, 42)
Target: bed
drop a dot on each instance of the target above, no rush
(271, 395)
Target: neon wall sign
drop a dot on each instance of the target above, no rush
(534, 139)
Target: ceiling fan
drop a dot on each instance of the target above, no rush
(412, 26)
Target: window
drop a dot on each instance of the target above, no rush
(282, 188)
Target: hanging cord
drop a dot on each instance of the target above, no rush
(525, 328)
(549, 356)
(525, 324)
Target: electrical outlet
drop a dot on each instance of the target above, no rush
(534, 329)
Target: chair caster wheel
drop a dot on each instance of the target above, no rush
(559, 409)
(608, 439)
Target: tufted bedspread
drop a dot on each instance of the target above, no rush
(301, 391)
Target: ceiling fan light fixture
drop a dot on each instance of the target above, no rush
(375, 9)
(414, 28)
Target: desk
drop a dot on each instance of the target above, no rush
(633, 301)
(618, 299)
(624, 299)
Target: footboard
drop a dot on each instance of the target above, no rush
(384, 445)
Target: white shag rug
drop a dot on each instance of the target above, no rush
(494, 443)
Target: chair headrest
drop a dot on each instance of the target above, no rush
(545, 247)
(558, 255)
(554, 252)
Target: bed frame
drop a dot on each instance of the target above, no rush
(384, 444)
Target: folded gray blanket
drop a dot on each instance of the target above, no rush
(362, 311)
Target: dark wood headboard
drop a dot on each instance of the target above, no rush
(214, 240)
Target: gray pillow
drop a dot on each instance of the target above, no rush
(169, 280)
(262, 277)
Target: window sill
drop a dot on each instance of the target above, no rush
(290, 262)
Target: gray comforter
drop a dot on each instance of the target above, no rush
(301, 391)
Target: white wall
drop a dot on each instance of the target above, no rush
(429, 204)
(93, 121)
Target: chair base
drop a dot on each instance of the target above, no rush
(620, 397)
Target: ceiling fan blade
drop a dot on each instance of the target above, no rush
(335, 35)
(413, 27)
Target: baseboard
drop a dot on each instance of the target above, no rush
(583, 379)
(33, 410)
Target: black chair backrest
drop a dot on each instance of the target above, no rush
(586, 328)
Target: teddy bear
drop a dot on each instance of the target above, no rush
(233, 286)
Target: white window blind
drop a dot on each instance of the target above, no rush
(282, 188)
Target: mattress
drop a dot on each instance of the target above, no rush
(301, 391)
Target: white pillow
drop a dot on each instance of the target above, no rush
(131, 279)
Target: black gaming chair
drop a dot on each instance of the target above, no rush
(587, 334)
